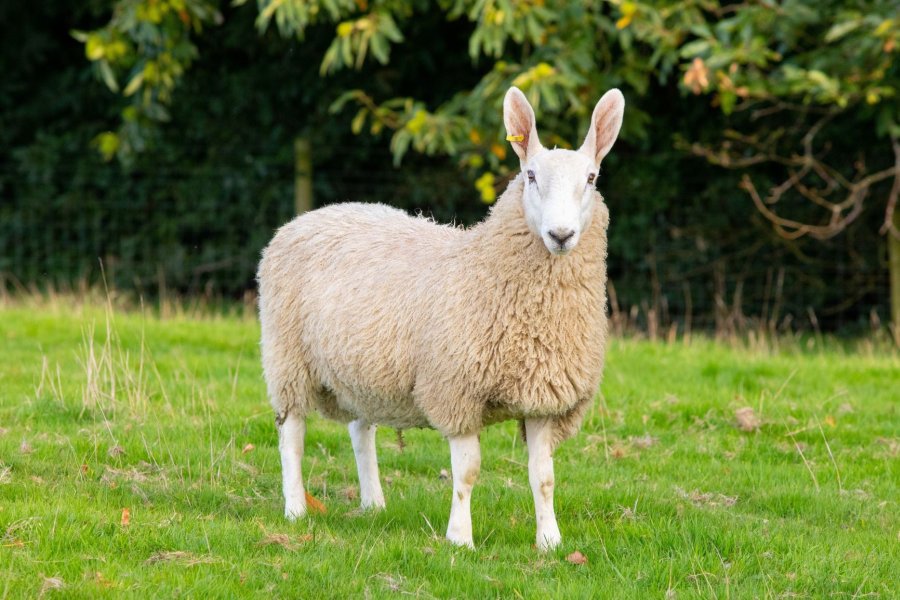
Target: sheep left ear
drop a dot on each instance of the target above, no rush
(521, 130)
(605, 124)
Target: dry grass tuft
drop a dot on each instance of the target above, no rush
(286, 541)
(51, 583)
(181, 557)
(712, 499)
(747, 420)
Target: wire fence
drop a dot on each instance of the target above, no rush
(200, 232)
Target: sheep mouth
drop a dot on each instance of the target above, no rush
(557, 250)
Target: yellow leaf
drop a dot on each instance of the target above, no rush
(416, 124)
(485, 186)
(628, 9)
(345, 29)
(126, 517)
(884, 27)
(829, 420)
(94, 49)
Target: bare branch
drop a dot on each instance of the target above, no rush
(840, 214)
(890, 209)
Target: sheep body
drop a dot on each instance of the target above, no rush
(368, 313)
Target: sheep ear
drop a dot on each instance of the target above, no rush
(521, 131)
(605, 124)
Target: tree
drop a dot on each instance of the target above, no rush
(810, 91)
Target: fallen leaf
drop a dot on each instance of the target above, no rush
(830, 421)
(577, 558)
(248, 448)
(126, 517)
(747, 419)
(314, 505)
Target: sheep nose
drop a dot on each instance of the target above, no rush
(561, 236)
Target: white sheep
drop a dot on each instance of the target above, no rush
(374, 317)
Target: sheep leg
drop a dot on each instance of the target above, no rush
(291, 434)
(362, 435)
(538, 435)
(465, 460)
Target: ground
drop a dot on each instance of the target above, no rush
(138, 457)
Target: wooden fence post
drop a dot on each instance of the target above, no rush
(894, 271)
(303, 193)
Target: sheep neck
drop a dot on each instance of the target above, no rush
(505, 248)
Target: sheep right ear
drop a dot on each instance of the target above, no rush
(605, 124)
(521, 131)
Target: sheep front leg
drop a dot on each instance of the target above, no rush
(362, 435)
(291, 435)
(465, 460)
(538, 435)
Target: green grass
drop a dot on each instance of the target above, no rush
(661, 491)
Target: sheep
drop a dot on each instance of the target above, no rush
(371, 316)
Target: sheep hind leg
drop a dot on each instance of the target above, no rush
(465, 460)
(362, 435)
(291, 435)
(539, 437)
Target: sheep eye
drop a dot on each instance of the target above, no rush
(591, 178)
(530, 176)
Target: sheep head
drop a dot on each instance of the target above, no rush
(558, 198)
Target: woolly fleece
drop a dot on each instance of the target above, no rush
(369, 313)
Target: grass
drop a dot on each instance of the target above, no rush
(138, 458)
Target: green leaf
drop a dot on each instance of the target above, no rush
(109, 78)
(839, 30)
(134, 85)
(695, 48)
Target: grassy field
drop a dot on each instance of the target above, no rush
(138, 457)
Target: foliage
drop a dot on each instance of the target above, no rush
(210, 185)
(149, 43)
(168, 418)
(837, 55)
(191, 212)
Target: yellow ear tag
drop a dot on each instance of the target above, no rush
(515, 138)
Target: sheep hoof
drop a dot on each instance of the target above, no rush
(294, 511)
(461, 541)
(548, 540)
(373, 506)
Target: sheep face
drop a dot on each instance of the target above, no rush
(558, 197)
